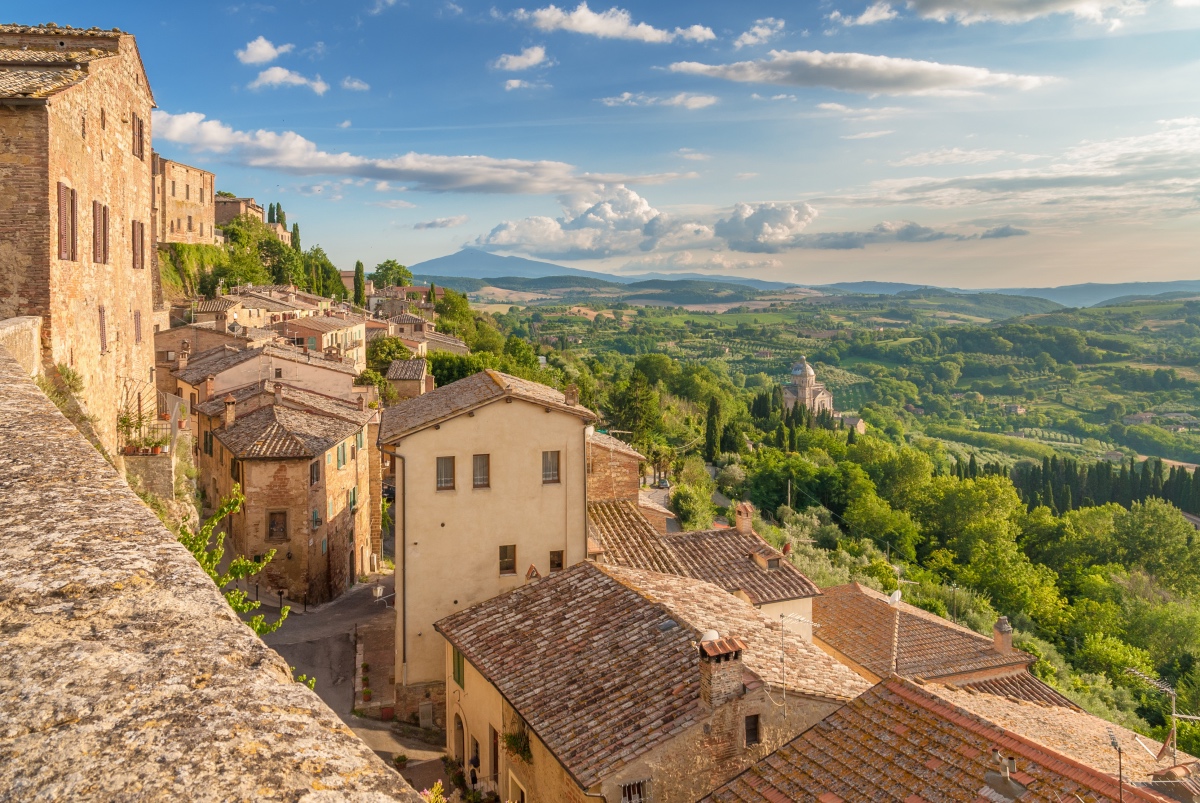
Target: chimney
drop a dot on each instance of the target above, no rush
(362, 401)
(743, 517)
(1002, 636)
(185, 350)
(571, 395)
(208, 386)
(222, 322)
(720, 668)
(279, 393)
(230, 414)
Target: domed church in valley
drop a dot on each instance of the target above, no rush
(806, 390)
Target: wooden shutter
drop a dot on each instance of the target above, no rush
(97, 224)
(103, 332)
(74, 226)
(138, 234)
(64, 221)
(104, 238)
(137, 326)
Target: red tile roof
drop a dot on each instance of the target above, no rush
(625, 538)
(605, 441)
(1021, 686)
(726, 558)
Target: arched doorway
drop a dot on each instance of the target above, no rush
(460, 739)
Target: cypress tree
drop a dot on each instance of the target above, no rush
(1195, 500)
(712, 425)
(973, 467)
(1156, 479)
(851, 436)
(271, 213)
(1048, 496)
(280, 217)
(1066, 500)
(360, 285)
(1146, 481)
(296, 237)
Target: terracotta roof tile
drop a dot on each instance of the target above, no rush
(222, 358)
(280, 432)
(458, 397)
(726, 558)
(316, 323)
(407, 369)
(1021, 686)
(944, 754)
(605, 441)
(294, 397)
(882, 637)
(625, 538)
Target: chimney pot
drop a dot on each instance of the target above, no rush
(720, 670)
(362, 402)
(279, 393)
(209, 381)
(743, 517)
(1002, 638)
(230, 410)
(571, 395)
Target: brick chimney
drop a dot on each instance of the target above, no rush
(230, 414)
(185, 351)
(278, 393)
(720, 669)
(362, 401)
(208, 387)
(1002, 636)
(571, 395)
(743, 517)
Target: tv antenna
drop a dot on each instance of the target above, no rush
(784, 617)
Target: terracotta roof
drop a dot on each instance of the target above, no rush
(272, 304)
(606, 441)
(61, 30)
(726, 558)
(438, 340)
(899, 742)
(625, 538)
(600, 661)
(647, 501)
(406, 317)
(222, 358)
(899, 638)
(317, 323)
(281, 432)
(219, 304)
(468, 393)
(407, 369)
(293, 397)
(37, 81)
(1022, 685)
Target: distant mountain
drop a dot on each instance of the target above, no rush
(1071, 295)
(472, 263)
(876, 288)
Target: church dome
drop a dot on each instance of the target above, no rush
(803, 369)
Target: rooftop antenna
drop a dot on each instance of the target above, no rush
(783, 617)
(1112, 739)
(1169, 690)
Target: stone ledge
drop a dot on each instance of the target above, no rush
(22, 337)
(125, 674)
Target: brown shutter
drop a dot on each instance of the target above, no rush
(103, 332)
(74, 226)
(105, 243)
(137, 245)
(137, 326)
(133, 120)
(97, 223)
(141, 245)
(64, 221)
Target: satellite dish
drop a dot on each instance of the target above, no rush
(894, 597)
(710, 635)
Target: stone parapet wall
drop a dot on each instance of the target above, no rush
(126, 674)
(22, 339)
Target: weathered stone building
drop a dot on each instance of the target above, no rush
(303, 463)
(806, 391)
(225, 209)
(328, 334)
(410, 378)
(184, 211)
(75, 210)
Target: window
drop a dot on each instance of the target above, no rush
(189, 222)
(279, 373)
(99, 233)
(137, 326)
(103, 119)
(359, 439)
(636, 792)
(314, 472)
(103, 332)
(316, 517)
(772, 563)
(139, 137)
(233, 468)
(324, 546)
(556, 560)
(752, 736)
(139, 244)
(516, 792)
(549, 467)
(445, 473)
(494, 753)
(172, 188)
(352, 498)
(508, 559)
(187, 196)
(341, 455)
(460, 669)
(481, 471)
(208, 443)
(67, 222)
(277, 526)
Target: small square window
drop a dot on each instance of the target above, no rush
(481, 471)
(277, 526)
(549, 467)
(772, 563)
(508, 559)
(279, 373)
(314, 472)
(445, 473)
(752, 735)
(556, 560)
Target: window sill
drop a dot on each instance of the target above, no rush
(481, 487)
(508, 574)
(448, 489)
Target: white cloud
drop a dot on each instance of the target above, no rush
(858, 72)
(289, 152)
(441, 222)
(756, 96)
(970, 11)
(692, 155)
(355, 84)
(689, 261)
(261, 51)
(381, 6)
(867, 135)
(745, 176)
(879, 12)
(344, 124)
(688, 100)
(763, 30)
(394, 203)
(616, 23)
(517, 83)
(766, 227)
(529, 57)
(280, 76)
(958, 156)
(862, 113)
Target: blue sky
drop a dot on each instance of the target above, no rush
(967, 142)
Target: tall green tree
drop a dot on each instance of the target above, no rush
(296, 238)
(360, 285)
(280, 216)
(712, 430)
(270, 213)
(390, 273)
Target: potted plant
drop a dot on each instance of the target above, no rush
(366, 695)
(366, 681)
(401, 760)
(366, 667)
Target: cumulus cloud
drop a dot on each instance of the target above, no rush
(967, 12)
(289, 152)
(867, 134)
(616, 23)
(763, 30)
(690, 261)
(344, 124)
(280, 76)
(764, 228)
(529, 57)
(862, 113)
(619, 221)
(261, 51)
(858, 72)
(756, 96)
(692, 155)
(688, 100)
(516, 83)
(355, 84)
(441, 222)
(879, 12)
(958, 156)
(380, 6)
(1003, 231)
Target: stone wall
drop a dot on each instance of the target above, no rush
(126, 674)
(22, 339)
(183, 203)
(157, 473)
(612, 475)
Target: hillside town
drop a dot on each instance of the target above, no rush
(529, 613)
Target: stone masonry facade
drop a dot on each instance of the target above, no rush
(183, 203)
